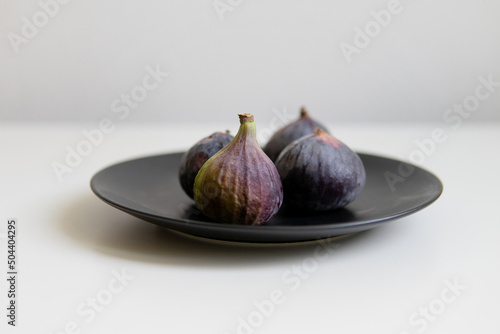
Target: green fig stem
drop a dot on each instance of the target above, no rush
(247, 128)
(303, 112)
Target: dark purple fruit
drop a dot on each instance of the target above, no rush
(196, 156)
(319, 173)
(239, 184)
(305, 125)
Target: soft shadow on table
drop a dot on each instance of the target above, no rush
(104, 229)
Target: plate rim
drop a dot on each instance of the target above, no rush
(216, 225)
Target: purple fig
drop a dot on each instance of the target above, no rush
(320, 173)
(196, 156)
(239, 184)
(305, 125)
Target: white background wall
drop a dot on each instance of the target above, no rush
(263, 55)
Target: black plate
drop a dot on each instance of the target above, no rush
(149, 189)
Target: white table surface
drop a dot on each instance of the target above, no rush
(375, 282)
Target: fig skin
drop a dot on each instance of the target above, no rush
(305, 125)
(197, 155)
(239, 184)
(320, 173)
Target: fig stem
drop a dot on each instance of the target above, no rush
(303, 112)
(245, 118)
(324, 136)
(319, 132)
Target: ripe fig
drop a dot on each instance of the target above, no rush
(320, 173)
(239, 184)
(305, 125)
(196, 156)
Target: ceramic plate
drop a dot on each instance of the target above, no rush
(148, 188)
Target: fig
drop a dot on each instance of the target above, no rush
(197, 155)
(239, 184)
(305, 125)
(319, 173)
